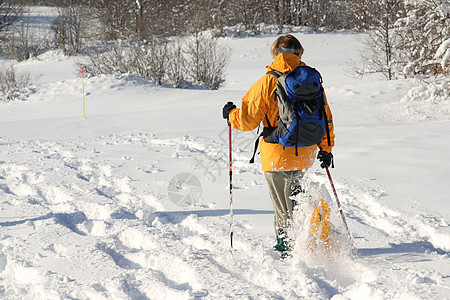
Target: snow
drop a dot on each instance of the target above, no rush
(444, 52)
(85, 211)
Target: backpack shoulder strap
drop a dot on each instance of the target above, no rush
(266, 130)
(275, 73)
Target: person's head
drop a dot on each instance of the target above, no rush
(286, 43)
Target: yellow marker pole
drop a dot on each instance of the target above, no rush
(84, 98)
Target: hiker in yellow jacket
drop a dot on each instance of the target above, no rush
(282, 168)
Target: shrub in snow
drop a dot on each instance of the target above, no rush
(156, 60)
(208, 60)
(177, 69)
(13, 85)
(429, 99)
(147, 60)
(107, 58)
(431, 90)
(201, 61)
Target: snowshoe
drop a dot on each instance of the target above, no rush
(320, 227)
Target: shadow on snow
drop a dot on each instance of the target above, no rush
(175, 217)
(69, 220)
(418, 247)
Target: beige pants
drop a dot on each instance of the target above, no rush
(280, 187)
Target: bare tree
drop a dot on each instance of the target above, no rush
(248, 13)
(115, 17)
(380, 54)
(363, 14)
(70, 27)
(9, 10)
(25, 39)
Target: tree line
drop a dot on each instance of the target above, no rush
(174, 17)
(405, 38)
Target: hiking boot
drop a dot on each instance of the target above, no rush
(281, 245)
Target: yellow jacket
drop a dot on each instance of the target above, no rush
(258, 102)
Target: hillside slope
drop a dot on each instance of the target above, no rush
(91, 209)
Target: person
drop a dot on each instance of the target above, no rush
(283, 169)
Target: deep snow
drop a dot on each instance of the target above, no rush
(87, 206)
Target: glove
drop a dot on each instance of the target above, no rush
(326, 159)
(227, 109)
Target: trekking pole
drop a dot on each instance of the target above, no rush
(340, 208)
(230, 159)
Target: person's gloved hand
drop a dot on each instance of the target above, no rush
(326, 159)
(227, 109)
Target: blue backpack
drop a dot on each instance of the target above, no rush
(302, 119)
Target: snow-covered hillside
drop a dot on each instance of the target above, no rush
(90, 208)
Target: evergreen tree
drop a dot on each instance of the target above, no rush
(425, 32)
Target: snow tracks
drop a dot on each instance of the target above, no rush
(92, 219)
